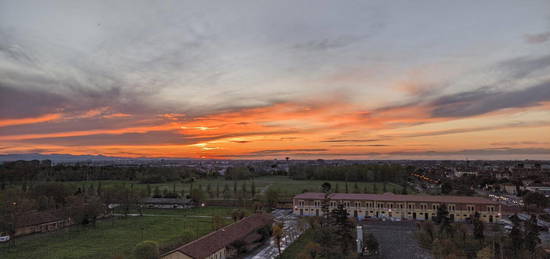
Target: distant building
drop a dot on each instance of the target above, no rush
(218, 244)
(166, 203)
(42, 221)
(395, 206)
(462, 173)
(540, 189)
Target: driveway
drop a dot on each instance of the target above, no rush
(291, 232)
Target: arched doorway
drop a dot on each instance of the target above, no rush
(425, 216)
(414, 215)
(452, 217)
(301, 212)
(355, 214)
(490, 218)
(317, 212)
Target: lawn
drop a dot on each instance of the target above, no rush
(115, 238)
(294, 250)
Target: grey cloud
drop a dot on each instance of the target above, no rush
(476, 129)
(329, 43)
(491, 152)
(484, 100)
(149, 138)
(537, 38)
(15, 103)
(521, 67)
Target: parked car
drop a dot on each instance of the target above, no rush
(4, 237)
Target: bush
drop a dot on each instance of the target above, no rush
(147, 250)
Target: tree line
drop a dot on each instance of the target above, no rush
(356, 172)
(29, 171)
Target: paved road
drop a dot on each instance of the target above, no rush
(291, 231)
(396, 240)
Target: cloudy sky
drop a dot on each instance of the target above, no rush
(270, 79)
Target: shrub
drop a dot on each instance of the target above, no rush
(147, 250)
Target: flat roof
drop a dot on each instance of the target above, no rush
(396, 197)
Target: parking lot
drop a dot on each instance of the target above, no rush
(396, 239)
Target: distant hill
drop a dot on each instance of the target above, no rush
(68, 158)
(59, 157)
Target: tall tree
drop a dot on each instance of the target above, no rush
(343, 229)
(278, 234)
(531, 234)
(252, 189)
(478, 227)
(516, 235)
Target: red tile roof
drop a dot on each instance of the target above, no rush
(396, 198)
(41, 217)
(214, 241)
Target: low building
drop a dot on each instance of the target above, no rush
(42, 221)
(219, 244)
(540, 189)
(396, 206)
(166, 203)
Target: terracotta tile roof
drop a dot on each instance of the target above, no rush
(396, 198)
(40, 217)
(214, 241)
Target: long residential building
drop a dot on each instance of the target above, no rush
(220, 244)
(396, 206)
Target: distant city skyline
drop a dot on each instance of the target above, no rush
(264, 80)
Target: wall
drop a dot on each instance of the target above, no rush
(400, 210)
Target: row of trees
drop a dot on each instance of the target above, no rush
(244, 190)
(461, 240)
(374, 188)
(357, 172)
(38, 171)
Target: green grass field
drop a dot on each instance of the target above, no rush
(116, 238)
(294, 250)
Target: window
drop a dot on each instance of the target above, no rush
(411, 206)
(435, 206)
(317, 203)
(301, 203)
(357, 204)
(491, 208)
(471, 208)
(451, 207)
(346, 204)
(333, 204)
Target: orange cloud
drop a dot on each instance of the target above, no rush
(44, 118)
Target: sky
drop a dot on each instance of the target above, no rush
(275, 79)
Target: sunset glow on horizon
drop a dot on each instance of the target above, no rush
(363, 80)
